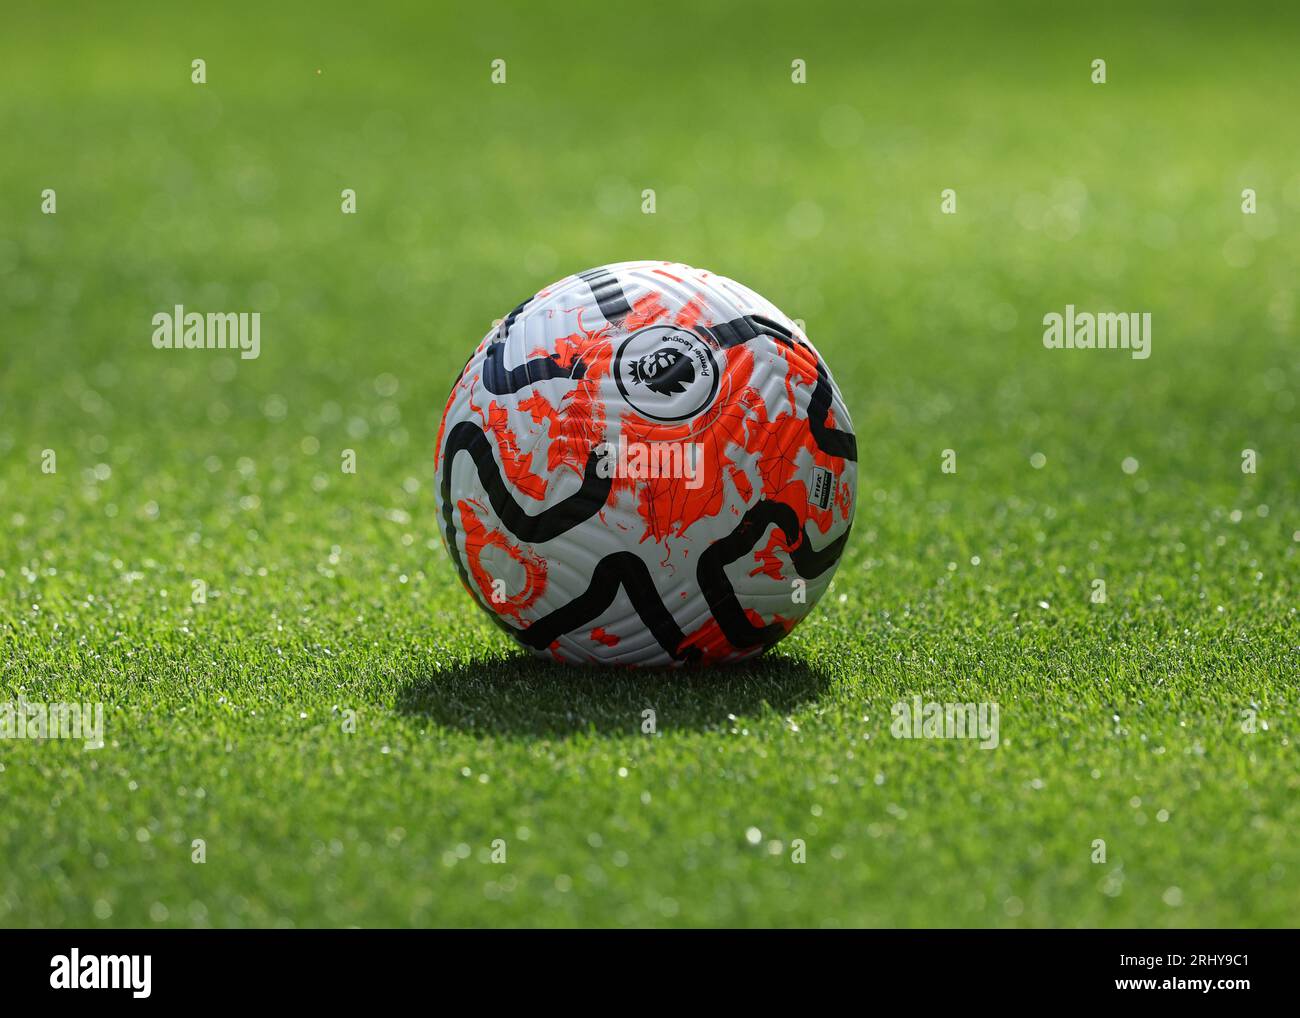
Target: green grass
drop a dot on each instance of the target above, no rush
(330, 592)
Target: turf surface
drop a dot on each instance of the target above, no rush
(329, 593)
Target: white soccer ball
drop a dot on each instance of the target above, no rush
(646, 464)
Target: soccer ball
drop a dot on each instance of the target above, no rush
(646, 464)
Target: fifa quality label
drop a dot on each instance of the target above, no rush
(822, 492)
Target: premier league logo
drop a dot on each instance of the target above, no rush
(667, 372)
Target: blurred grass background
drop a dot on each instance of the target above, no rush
(330, 592)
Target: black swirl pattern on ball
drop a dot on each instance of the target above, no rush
(718, 591)
(608, 292)
(500, 381)
(552, 521)
(503, 330)
(622, 569)
(829, 440)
